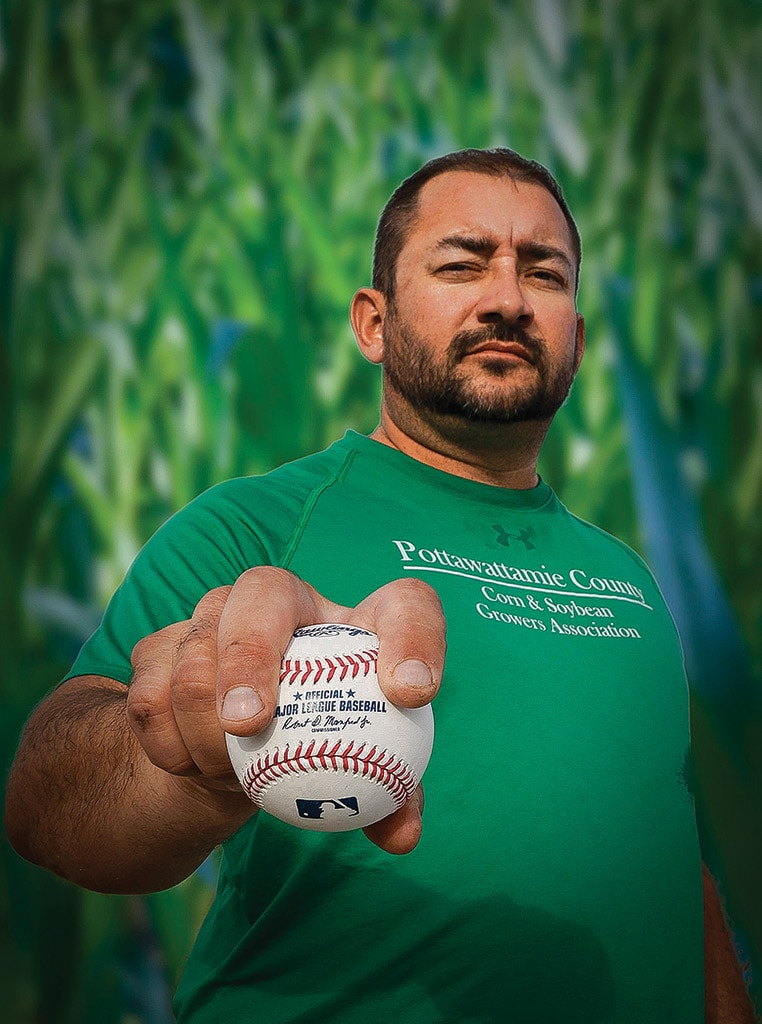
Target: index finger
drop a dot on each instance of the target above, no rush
(407, 617)
(264, 608)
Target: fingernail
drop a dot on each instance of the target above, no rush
(241, 703)
(413, 673)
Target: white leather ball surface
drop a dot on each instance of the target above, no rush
(338, 755)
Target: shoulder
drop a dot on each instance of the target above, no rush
(281, 491)
(250, 516)
(605, 542)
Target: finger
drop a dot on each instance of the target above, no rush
(400, 832)
(263, 609)
(194, 687)
(149, 700)
(407, 616)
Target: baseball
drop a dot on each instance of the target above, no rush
(338, 755)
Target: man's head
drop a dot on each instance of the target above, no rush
(400, 211)
(472, 313)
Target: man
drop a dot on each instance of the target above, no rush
(558, 876)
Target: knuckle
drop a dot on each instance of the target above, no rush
(194, 678)
(209, 607)
(253, 661)
(198, 644)
(156, 649)
(271, 578)
(414, 585)
(415, 590)
(202, 624)
(143, 709)
(152, 723)
(418, 608)
(143, 652)
(273, 572)
(194, 651)
(255, 650)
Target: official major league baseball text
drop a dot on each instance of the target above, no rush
(337, 755)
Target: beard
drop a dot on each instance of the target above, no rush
(439, 384)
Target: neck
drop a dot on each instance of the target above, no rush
(502, 455)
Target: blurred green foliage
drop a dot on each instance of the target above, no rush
(189, 193)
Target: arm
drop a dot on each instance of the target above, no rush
(84, 800)
(128, 789)
(726, 996)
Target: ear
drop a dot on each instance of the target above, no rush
(366, 314)
(579, 349)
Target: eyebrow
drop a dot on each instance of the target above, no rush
(484, 245)
(542, 252)
(480, 245)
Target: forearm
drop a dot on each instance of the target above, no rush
(727, 998)
(85, 802)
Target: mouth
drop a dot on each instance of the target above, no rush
(503, 349)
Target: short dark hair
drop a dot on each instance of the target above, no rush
(398, 214)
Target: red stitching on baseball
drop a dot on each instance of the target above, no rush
(388, 770)
(303, 672)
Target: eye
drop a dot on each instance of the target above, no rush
(546, 276)
(458, 269)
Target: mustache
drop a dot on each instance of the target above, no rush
(464, 341)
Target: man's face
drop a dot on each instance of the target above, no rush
(483, 325)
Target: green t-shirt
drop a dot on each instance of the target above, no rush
(558, 877)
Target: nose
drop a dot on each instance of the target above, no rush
(504, 299)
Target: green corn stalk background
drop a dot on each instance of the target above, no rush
(189, 193)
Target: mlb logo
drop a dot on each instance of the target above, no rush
(324, 810)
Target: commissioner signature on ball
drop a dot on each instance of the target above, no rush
(358, 722)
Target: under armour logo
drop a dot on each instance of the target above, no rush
(524, 536)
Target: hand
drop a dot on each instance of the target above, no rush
(218, 672)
